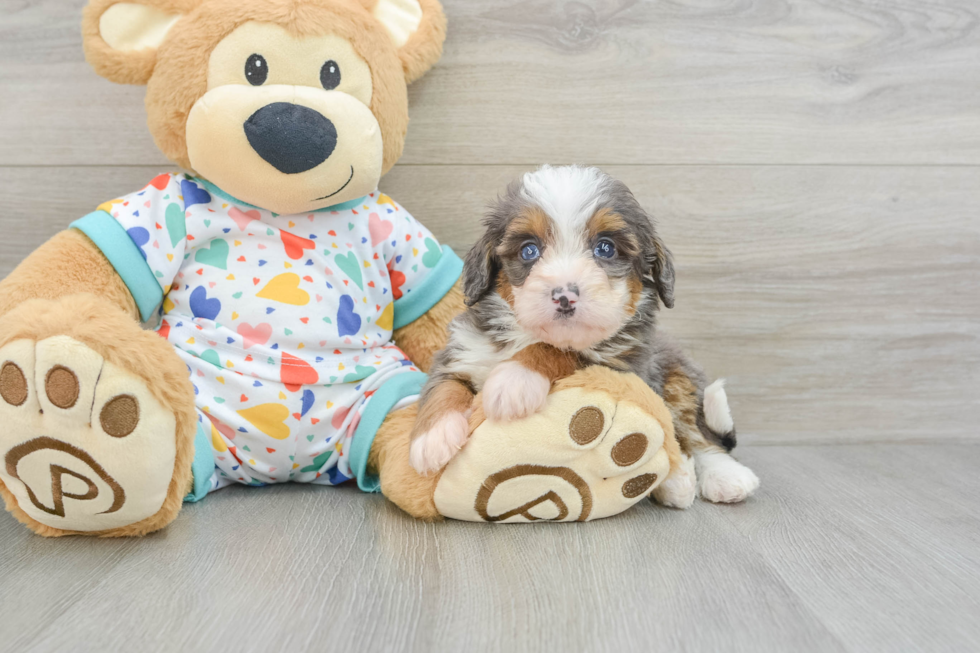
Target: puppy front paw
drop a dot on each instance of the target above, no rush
(433, 449)
(512, 391)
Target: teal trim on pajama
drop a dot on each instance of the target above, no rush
(202, 467)
(127, 259)
(430, 290)
(380, 404)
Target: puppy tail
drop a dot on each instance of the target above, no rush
(715, 417)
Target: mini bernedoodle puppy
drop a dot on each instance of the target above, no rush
(570, 273)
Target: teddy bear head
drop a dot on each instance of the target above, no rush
(289, 105)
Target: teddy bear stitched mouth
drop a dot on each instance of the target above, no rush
(339, 189)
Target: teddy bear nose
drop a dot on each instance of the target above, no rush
(292, 138)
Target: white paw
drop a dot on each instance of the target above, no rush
(512, 392)
(680, 488)
(725, 480)
(433, 449)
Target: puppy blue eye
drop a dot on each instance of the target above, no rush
(530, 252)
(604, 249)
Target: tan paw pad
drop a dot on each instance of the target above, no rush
(583, 457)
(86, 447)
(13, 384)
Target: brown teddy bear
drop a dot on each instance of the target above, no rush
(279, 279)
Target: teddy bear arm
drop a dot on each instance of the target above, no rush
(421, 339)
(67, 264)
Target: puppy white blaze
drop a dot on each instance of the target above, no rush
(569, 194)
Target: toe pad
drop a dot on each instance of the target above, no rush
(584, 456)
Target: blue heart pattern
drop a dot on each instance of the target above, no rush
(307, 402)
(140, 236)
(193, 194)
(202, 306)
(348, 322)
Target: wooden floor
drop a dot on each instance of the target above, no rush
(815, 168)
(849, 548)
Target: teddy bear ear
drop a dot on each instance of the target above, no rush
(418, 29)
(121, 38)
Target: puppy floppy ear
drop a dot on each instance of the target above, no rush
(660, 264)
(417, 28)
(480, 269)
(121, 38)
(657, 263)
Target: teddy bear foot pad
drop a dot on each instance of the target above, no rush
(84, 445)
(585, 456)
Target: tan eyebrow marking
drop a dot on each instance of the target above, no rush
(605, 221)
(531, 222)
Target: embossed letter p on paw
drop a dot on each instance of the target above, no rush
(84, 446)
(585, 456)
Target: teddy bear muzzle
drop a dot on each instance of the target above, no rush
(287, 149)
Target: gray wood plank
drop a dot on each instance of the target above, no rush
(857, 548)
(841, 303)
(839, 300)
(881, 543)
(759, 81)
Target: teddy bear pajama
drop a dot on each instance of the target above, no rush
(284, 321)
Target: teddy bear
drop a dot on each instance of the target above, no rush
(294, 307)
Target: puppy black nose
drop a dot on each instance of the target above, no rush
(565, 297)
(292, 138)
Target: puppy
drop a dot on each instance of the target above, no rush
(571, 273)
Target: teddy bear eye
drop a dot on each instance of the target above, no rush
(256, 70)
(330, 75)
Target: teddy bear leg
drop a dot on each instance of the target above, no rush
(413, 493)
(603, 442)
(98, 420)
